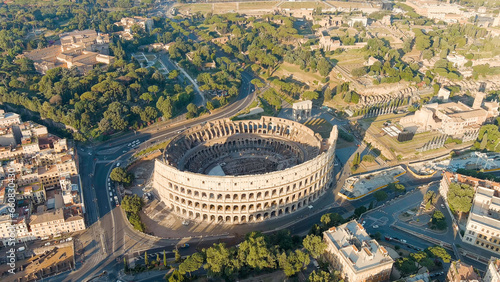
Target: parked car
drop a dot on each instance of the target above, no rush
(184, 246)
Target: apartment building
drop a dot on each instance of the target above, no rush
(35, 192)
(8, 119)
(460, 271)
(483, 223)
(56, 222)
(493, 271)
(358, 257)
(14, 228)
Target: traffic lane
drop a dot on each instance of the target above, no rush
(100, 182)
(86, 165)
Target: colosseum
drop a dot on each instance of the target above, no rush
(244, 171)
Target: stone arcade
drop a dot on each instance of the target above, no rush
(244, 171)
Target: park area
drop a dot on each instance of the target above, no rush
(375, 127)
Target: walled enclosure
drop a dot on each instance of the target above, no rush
(264, 169)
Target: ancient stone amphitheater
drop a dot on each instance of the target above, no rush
(244, 171)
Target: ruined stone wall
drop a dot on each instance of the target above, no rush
(248, 198)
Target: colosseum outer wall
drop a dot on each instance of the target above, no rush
(246, 198)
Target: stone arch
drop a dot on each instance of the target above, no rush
(228, 219)
(243, 208)
(220, 218)
(235, 197)
(243, 218)
(235, 219)
(251, 218)
(205, 216)
(228, 208)
(197, 216)
(228, 197)
(212, 217)
(191, 214)
(273, 214)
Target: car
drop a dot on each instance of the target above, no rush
(185, 222)
(184, 246)
(47, 244)
(442, 206)
(364, 222)
(110, 194)
(403, 241)
(310, 207)
(20, 249)
(375, 226)
(117, 164)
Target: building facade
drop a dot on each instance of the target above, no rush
(358, 257)
(54, 223)
(493, 271)
(244, 171)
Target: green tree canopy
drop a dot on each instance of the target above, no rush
(314, 245)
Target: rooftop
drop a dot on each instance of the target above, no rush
(354, 243)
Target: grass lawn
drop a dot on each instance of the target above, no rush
(150, 57)
(320, 126)
(286, 69)
(257, 5)
(350, 59)
(349, 4)
(407, 148)
(193, 8)
(157, 65)
(301, 5)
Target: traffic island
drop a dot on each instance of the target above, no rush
(359, 186)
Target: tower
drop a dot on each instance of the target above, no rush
(478, 100)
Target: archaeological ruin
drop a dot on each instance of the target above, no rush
(244, 171)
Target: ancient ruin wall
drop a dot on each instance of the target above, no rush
(247, 198)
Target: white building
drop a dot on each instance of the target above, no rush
(457, 60)
(14, 228)
(7, 119)
(362, 20)
(493, 272)
(483, 223)
(358, 257)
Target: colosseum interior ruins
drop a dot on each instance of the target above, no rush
(244, 171)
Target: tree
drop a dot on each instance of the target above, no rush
(380, 196)
(293, 262)
(324, 66)
(325, 219)
(132, 204)
(356, 160)
(177, 255)
(359, 211)
(176, 276)
(460, 197)
(438, 220)
(440, 252)
(120, 175)
(164, 258)
(396, 187)
(125, 265)
(146, 262)
(164, 105)
(255, 253)
(310, 95)
(191, 263)
(218, 259)
(314, 245)
(320, 276)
